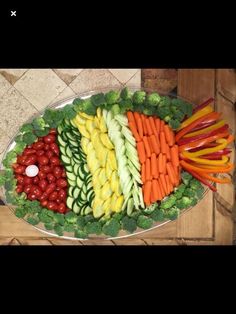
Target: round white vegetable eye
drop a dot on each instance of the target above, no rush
(32, 171)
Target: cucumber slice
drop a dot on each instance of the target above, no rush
(73, 124)
(68, 151)
(69, 202)
(74, 143)
(75, 192)
(60, 140)
(87, 210)
(60, 129)
(62, 150)
(76, 168)
(71, 176)
(69, 168)
(79, 182)
(65, 159)
(70, 191)
(81, 173)
(70, 136)
(71, 182)
(76, 208)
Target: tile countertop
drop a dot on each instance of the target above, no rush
(24, 92)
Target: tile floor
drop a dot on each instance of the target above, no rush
(24, 92)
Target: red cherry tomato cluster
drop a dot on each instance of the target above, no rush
(50, 185)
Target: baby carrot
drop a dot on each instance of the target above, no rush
(147, 147)
(153, 165)
(148, 126)
(168, 152)
(141, 152)
(174, 153)
(164, 163)
(171, 173)
(157, 175)
(158, 124)
(140, 127)
(143, 173)
(136, 116)
(161, 189)
(172, 137)
(134, 131)
(150, 144)
(155, 190)
(152, 197)
(130, 117)
(162, 123)
(147, 192)
(157, 186)
(167, 184)
(160, 163)
(144, 124)
(163, 182)
(163, 142)
(155, 146)
(148, 175)
(167, 133)
(153, 126)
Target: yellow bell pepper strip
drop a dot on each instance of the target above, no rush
(213, 116)
(201, 179)
(203, 142)
(187, 166)
(208, 129)
(214, 179)
(204, 104)
(195, 116)
(223, 161)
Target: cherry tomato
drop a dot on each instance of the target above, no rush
(30, 160)
(55, 161)
(32, 197)
(27, 188)
(33, 187)
(46, 146)
(28, 180)
(30, 146)
(63, 173)
(36, 190)
(42, 175)
(38, 145)
(61, 208)
(43, 197)
(20, 169)
(44, 203)
(61, 194)
(43, 184)
(36, 180)
(43, 160)
(29, 151)
(58, 201)
(53, 131)
(50, 188)
(20, 179)
(15, 165)
(40, 139)
(57, 172)
(53, 196)
(21, 159)
(19, 188)
(52, 205)
(61, 183)
(45, 169)
(49, 153)
(40, 152)
(50, 138)
(55, 148)
(51, 177)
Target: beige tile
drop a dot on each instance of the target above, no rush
(93, 79)
(15, 110)
(135, 80)
(12, 75)
(4, 86)
(67, 92)
(40, 87)
(4, 140)
(123, 75)
(67, 75)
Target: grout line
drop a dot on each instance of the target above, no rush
(119, 80)
(134, 75)
(20, 77)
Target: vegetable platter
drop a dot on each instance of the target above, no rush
(115, 162)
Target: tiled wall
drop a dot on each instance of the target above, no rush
(24, 92)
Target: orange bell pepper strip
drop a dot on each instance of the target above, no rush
(195, 116)
(210, 162)
(208, 129)
(214, 179)
(188, 166)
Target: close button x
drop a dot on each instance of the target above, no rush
(13, 13)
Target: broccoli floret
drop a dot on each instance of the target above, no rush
(115, 109)
(29, 138)
(126, 105)
(80, 234)
(174, 124)
(125, 93)
(167, 118)
(195, 184)
(199, 192)
(129, 224)
(88, 107)
(69, 112)
(173, 213)
(151, 208)
(179, 191)
(144, 222)
(163, 111)
(168, 202)
(71, 217)
(118, 216)
(165, 101)
(27, 127)
(39, 123)
(139, 97)
(80, 222)
(189, 192)
(184, 202)
(94, 227)
(157, 215)
(112, 97)
(194, 201)
(177, 113)
(98, 100)
(149, 111)
(111, 228)
(153, 99)
(78, 104)
(187, 109)
(186, 177)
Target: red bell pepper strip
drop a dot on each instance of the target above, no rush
(204, 104)
(187, 140)
(203, 125)
(201, 179)
(217, 155)
(210, 116)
